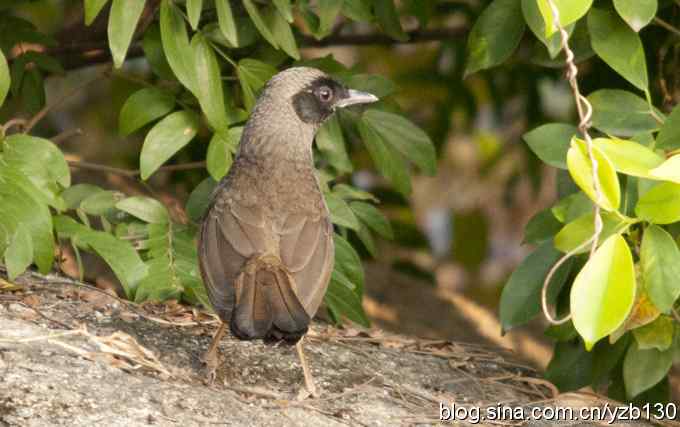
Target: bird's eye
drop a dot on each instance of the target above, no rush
(324, 93)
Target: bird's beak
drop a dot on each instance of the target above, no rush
(356, 97)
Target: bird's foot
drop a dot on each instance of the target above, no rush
(211, 361)
(306, 392)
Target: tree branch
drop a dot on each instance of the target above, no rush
(132, 173)
(84, 54)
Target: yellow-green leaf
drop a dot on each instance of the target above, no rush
(569, 11)
(629, 157)
(582, 228)
(580, 168)
(603, 292)
(660, 204)
(668, 170)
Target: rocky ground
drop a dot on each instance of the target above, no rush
(71, 355)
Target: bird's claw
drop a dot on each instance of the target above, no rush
(306, 392)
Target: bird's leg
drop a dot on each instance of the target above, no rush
(211, 358)
(310, 388)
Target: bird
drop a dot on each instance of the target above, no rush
(265, 244)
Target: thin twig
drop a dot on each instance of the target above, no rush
(131, 173)
(44, 316)
(661, 23)
(63, 136)
(585, 112)
(19, 122)
(60, 280)
(47, 108)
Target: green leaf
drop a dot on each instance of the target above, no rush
(282, 32)
(194, 9)
(285, 9)
(629, 157)
(534, 19)
(572, 206)
(4, 78)
(569, 11)
(101, 202)
(199, 199)
(219, 158)
(341, 214)
(358, 10)
(661, 204)
(541, 227)
(603, 292)
(348, 192)
(154, 54)
(75, 194)
(575, 233)
(225, 18)
(143, 107)
(176, 46)
(255, 16)
(348, 263)
(669, 135)
(495, 35)
(342, 300)
(657, 334)
(570, 367)
(372, 217)
(328, 13)
(252, 76)
(92, 9)
(33, 91)
(20, 205)
(621, 113)
(636, 13)
(209, 83)
(172, 265)
(668, 170)
(642, 369)
(364, 234)
(581, 171)
(118, 254)
(19, 252)
(521, 297)
(40, 161)
(122, 23)
(376, 84)
(619, 46)
(165, 139)
(406, 137)
(145, 208)
(660, 263)
(551, 142)
(388, 18)
(331, 143)
(390, 164)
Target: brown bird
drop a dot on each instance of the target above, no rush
(266, 241)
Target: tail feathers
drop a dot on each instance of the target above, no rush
(267, 306)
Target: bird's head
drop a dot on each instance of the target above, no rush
(296, 102)
(313, 95)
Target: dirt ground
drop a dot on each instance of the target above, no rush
(75, 356)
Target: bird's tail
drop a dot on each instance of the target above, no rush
(267, 305)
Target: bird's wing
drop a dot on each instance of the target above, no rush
(306, 247)
(226, 243)
(232, 234)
